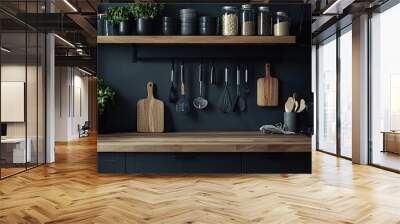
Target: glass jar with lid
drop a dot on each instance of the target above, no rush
(248, 20)
(264, 20)
(230, 21)
(281, 24)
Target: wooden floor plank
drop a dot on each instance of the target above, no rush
(71, 191)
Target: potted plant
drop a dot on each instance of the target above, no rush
(145, 13)
(109, 28)
(117, 21)
(105, 96)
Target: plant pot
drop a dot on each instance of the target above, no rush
(290, 121)
(110, 28)
(132, 26)
(100, 24)
(123, 28)
(144, 26)
(168, 25)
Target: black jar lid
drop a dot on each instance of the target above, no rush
(284, 14)
(264, 9)
(188, 16)
(229, 8)
(187, 12)
(247, 6)
(168, 19)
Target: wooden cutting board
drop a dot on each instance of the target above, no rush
(267, 89)
(150, 112)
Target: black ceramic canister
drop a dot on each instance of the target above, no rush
(188, 21)
(123, 28)
(207, 25)
(168, 25)
(109, 28)
(101, 19)
(144, 26)
(188, 29)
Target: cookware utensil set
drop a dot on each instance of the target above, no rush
(183, 103)
(173, 93)
(225, 103)
(240, 102)
(199, 102)
(293, 105)
(178, 94)
(267, 92)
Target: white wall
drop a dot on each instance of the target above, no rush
(61, 103)
(71, 102)
(18, 73)
(33, 126)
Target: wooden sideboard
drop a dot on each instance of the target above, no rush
(391, 142)
(203, 152)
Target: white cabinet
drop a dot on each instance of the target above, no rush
(17, 148)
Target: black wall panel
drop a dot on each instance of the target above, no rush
(291, 64)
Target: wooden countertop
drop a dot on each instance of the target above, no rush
(202, 142)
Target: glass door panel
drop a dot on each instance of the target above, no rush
(385, 89)
(41, 99)
(346, 94)
(32, 99)
(327, 96)
(14, 154)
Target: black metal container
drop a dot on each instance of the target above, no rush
(207, 25)
(188, 28)
(144, 26)
(264, 21)
(110, 29)
(123, 28)
(218, 30)
(168, 25)
(188, 13)
(100, 24)
(290, 121)
(188, 21)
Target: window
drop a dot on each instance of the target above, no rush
(346, 93)
(385, 88)
(335, 108)
(22, 101)
(327, 96)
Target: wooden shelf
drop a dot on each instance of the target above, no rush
(202, 142)
(196, 40)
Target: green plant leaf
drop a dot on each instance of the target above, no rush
(146, 10)
(105, 96)
(118, 14)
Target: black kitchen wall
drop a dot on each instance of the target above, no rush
(127, 69)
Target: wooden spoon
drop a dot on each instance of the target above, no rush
(289, 104)
(302, 106)
(296, 105)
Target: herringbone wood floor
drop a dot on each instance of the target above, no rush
(71, 191)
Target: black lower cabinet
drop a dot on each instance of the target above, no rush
(173, 163)
(111, 162)
(280, 162)
(186, 163)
